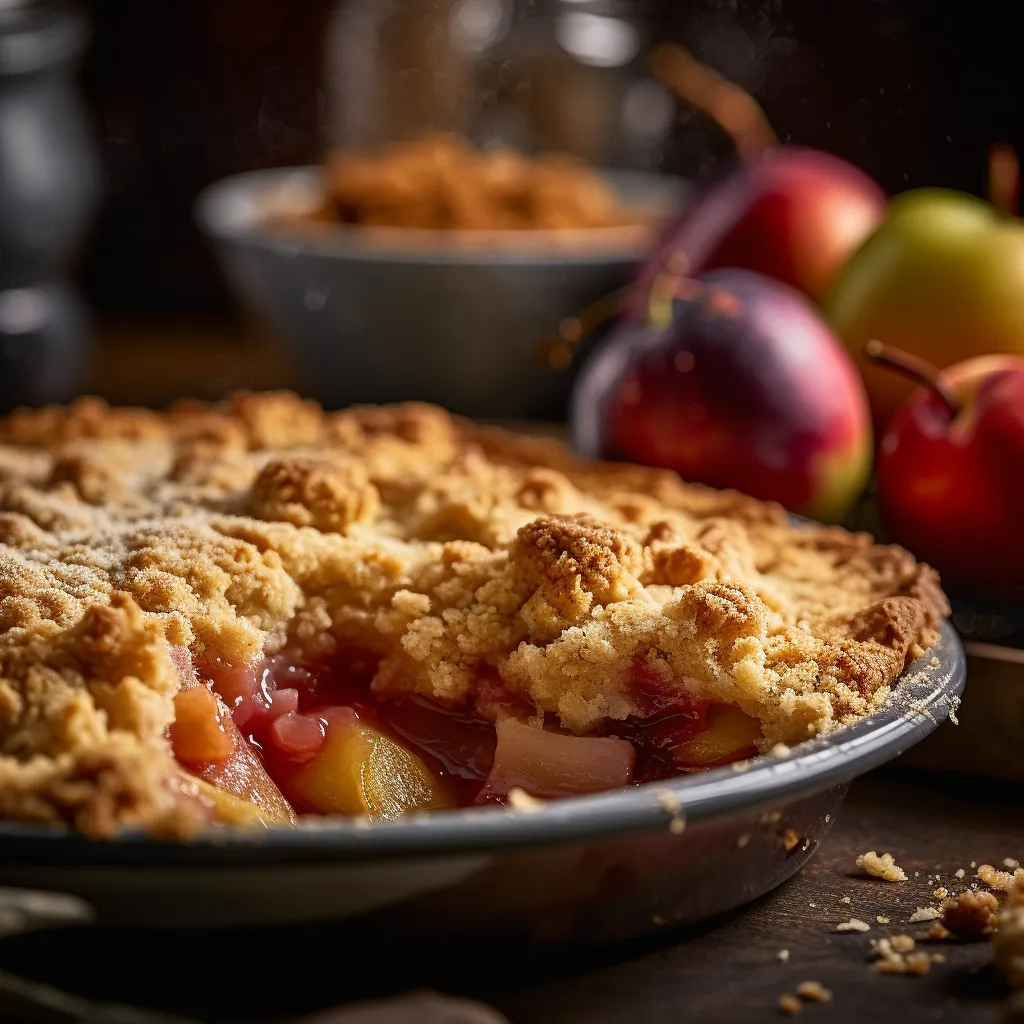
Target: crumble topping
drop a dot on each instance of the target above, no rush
(452, 552)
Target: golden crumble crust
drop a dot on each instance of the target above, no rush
(455, 552)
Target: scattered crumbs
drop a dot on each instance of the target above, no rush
(938, 931)
(938, 958)
(917, 874)
(668, 801)
(828, 818)
(520, 800)
(844, 899)
(971, 915)
(993, 877)
(853, 925)
(740, 766)
(813, 992)
(883, 866)
(960, 872)
(918, 963)
(658, 920)
(897, 956)
(941, 893)
(676, 825)
(925, 914)
(770, 818)
(934, 663)
(790, 839)
(812, 905)
(1011, 862)
(743, 840)
(783, 955)
(780, 750)
(882, 919)
(973, 865)
(789, 1005)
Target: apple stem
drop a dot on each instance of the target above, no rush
(916, 369)
(699, 85)
(557, 351)
(1004, 178)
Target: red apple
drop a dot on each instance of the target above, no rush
(746, 388)
(794, 214)
(951, 473)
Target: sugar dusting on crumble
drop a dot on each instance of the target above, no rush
(450, 550)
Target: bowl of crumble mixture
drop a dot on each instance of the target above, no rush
(432, 272)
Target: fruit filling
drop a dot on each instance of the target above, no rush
(308, 736)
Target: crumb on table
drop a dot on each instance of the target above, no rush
(971, 915)
(883, 866)
(813, 992)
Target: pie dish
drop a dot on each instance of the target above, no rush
(244, 613)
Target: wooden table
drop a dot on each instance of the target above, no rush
(722, 971)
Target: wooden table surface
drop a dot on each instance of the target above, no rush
(722, 971)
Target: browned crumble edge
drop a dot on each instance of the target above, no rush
(448, 548)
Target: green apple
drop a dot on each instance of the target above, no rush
(942, 277)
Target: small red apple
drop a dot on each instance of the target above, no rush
(951, 471)
(794, 214)
(746, 387)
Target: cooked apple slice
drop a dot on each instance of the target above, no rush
(549, 764)
(227, 771)
(361, 772)
(730, 734)
(199, 732)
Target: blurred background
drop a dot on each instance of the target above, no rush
(178, 94)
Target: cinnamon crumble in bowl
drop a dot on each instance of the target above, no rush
(256, 633)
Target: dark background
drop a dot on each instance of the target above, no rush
(183, 92)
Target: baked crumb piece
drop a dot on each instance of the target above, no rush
(668, 801)
(853, 925)
(882, 919)
(789, 1005)
(790, 839)
(1011, 863)
(938, 932)
(923, 914)
(971, 915)
(783, 955)
(1008, 941)
(520, 800)
(898, 956)
(959, 873)
(883, 866)
(995, 878)
(813, 992)
(677, 825)
(743, 840)
(780, 750)
(941, 893)
(844, 899)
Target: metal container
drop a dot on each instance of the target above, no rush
(49, 177)
(456, 318)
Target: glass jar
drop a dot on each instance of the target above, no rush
(564, 75)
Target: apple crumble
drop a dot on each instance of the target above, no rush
(255, 610)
